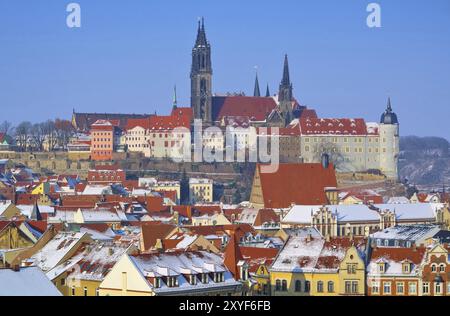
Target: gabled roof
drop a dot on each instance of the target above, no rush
(255, 108)
(302, 184)
(152, 231)
(30, 281)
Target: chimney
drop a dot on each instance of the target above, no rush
(16, 267)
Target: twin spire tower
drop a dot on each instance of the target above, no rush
(201, 82)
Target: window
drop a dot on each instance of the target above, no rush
(375, 287)
(277, 285)
(97, 292)
(320, 287)
(426, 288)
(400, 288)
(406, 267)
(63, 281)
(348, 287)
(157, 282)
(351, 268)
(438, 288)
(307, 286)
(73, 290)
(387, 288)
(284, 285)
(433, 268)
(442, 268)
(381, 267)
(412, 288)
(85, 292)
(298, 286)
(355, 287)
(331, 287)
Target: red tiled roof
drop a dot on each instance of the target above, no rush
(302, 184)
(266, 216)
(415, 255)
(256, 256)
(255, 108)
(232, 255)
(316, 126)
(152, 231)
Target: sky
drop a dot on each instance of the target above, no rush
(128, 55)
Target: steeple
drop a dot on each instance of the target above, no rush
(256, 91)
(175, 103)
(285, 91)
(285, 96)
(201, 34)
(286, 80)
(389, 107)
(388, 116)
(267, 91)
(201, 76)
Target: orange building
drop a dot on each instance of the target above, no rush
(102, 140)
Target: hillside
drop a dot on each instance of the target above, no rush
(425, 161)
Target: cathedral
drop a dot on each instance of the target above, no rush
(352, 144)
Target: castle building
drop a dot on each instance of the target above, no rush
(353, 145)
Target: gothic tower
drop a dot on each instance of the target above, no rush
(201, 77)
(285, 93)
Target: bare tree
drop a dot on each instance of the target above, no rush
(6, 127)
(23, 131)
(38, 136)
(64, 131)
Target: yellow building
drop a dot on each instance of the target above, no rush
(210, 220)
(200, 190)
(82, 274)
(173, 273)
(41, 189)
(312, 266)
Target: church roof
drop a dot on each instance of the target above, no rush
(302, 184)
(255, 108)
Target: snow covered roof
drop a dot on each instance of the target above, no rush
(97, 190)
(398, 200)
(26, 210)
(55, 250)
(311, 254)
(181, 264)
(413, 210)
(200, 181)
(29, 281)
(413, 233)
(92, 262)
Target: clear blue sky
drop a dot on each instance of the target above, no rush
(128, 55)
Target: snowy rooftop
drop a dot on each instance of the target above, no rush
(181, 264)
(55, 250)
(30, 281)
(407, 232)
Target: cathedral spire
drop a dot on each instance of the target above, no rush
(201, 34)
(175, 102)
(389, 107)
(267, 91)
(256, 91)
(286, 80)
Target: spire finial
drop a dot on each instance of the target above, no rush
(389, 107)
(267, 91)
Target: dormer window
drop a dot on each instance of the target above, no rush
(204, 278)
(382, 267)
(192, 279)
(406, 267)
(157, 282)
(172, 281)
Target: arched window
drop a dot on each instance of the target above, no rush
(298, 286)
(277, 285)
(331, 287)
(320, 287)
(284, 285)
(442, 268)
(307, 286)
